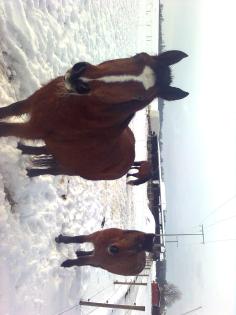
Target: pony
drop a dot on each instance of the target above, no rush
(143, 175)
(83, 117)
(118, 251)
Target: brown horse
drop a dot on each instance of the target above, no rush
(83, 117)
(143, 175)
(118, 251)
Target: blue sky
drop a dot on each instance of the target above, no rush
(200, 153)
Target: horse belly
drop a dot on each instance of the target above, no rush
(91, 159)
(121, 157)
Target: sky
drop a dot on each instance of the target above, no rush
(199, 152)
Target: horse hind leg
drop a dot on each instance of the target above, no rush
(81, 261)
(134, 175)
(48, 162)
(133, 167)
(32, 150)
(15, 109)
(33, 172)
(137, 163)
(131, 174)
(131, 182)
(80, 253)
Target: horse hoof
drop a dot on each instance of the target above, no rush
(67, 263)
(31, 172)
(20, 146)
(58, 239)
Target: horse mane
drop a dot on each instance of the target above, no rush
(163, 77)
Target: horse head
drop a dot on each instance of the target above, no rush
(133, 242)
(140, 79)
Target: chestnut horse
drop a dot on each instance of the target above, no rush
(83, 117)
(143, 175)
(118, 251)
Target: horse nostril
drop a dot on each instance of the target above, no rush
(82, 87)
(113, 249)
(79, 67)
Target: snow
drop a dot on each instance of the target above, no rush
(39, 40)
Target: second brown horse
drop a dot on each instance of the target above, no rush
(118, 251)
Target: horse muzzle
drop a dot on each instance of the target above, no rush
(73, 81)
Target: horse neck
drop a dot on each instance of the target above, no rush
(111, 123)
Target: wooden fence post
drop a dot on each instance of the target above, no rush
(130, 283)
(119, 306)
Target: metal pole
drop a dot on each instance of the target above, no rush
(203, 236)
(186, 234)
(120, 306)
(180, 234)
(177, 241)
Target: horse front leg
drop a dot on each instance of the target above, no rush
(81, 261)
(31, 150)
(71, 239)
(15, 109)
(80, 253)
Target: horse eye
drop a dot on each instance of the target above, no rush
(113, 249)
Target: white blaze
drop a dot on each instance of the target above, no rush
(147, 78)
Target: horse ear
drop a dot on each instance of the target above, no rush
(171, 57)
(172, 93)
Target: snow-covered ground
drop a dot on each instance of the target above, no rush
(39, 40)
